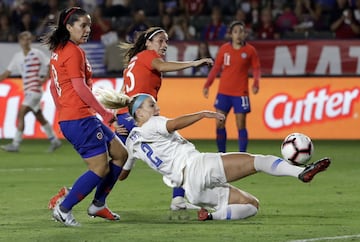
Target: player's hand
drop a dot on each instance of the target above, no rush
(109, 118)
(205, 92)
(255, 89)
(120, 129)
(204, 61)
(216, 115)
(124, 174)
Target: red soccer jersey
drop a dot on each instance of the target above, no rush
(235, 64)
(67, 63)
(140, 76)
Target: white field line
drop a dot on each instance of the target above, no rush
(328, 238)
(26, 169)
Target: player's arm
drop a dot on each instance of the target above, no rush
(87, 96)
(5, 74)
(166, 66)
(256, 72)
(213, 73)
(189, 119)
(127, 168)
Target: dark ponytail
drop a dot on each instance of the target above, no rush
(59, 35)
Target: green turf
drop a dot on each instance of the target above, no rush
(289, 209)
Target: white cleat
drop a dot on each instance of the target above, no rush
(56, 144)
(66, 219)
(10, 148)
(180, 203)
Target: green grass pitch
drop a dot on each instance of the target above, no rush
(327, 209)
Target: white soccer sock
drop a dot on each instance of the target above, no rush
(49, 132)
(17, 138)
(235, 211)
(276, 166)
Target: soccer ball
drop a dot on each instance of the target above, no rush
(297, 149)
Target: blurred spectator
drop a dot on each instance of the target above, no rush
(327, 5)
(50, 15)
(240, 15)
(182, 29)
(171, 7)
(277, 8)
(17, 11)
(266, 29)
(254, 12)
(203, 52)
(307, 13)
(139, 25)
(114, 55)
(286, 21)
(343, 23)
(71, 3)
(99, 26)
(193, 8)
(27, 24)
(227, 7)
(90, 5)
(7, 32)
(357, 11)
(216, 29)
(116, 8)
(167, 23)
(150, 7)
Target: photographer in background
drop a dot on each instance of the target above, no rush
(343, 23)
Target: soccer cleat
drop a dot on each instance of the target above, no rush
(180, 203)
(58, 198)
(312, 169)
(204, 214)
(102, 212)
(10, 148)
(66, 219)
(54, 145)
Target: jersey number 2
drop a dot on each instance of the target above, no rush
(149, 153)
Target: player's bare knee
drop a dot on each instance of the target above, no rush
(100, 169)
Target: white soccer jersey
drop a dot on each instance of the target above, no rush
(150, 143)
(31, 67)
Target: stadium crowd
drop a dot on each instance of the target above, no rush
(204, 20)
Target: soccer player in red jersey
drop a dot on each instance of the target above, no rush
(76, 105)
(143, 74)
(234, 59)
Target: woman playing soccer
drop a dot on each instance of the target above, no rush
(204, 176)
(71, 90)
(143, 74)
(234, 60)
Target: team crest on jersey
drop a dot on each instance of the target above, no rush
(243, 55)
(99, 136)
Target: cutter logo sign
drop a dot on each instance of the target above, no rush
(318, 105)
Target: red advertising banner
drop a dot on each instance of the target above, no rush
(321, 107)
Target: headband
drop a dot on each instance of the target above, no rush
(140, 98)
(69, 14)
(155, 32)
